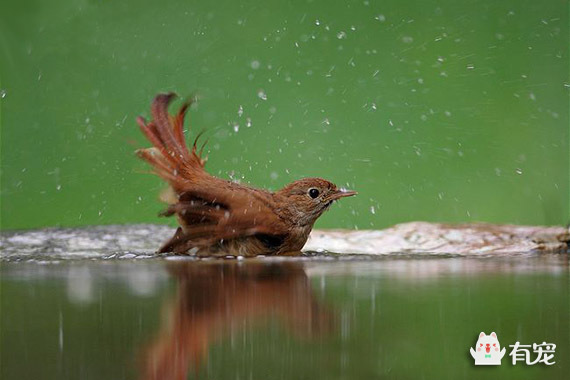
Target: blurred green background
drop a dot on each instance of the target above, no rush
(432, 110)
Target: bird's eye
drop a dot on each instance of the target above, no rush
(313, 193)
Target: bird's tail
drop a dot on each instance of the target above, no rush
(170, 157)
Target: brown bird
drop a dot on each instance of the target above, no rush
(219, 217)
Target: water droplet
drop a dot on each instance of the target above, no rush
(2, 93)
(240, 111)
(60, 332)
(255, 64)
(532, 96)
(380, 18)
(341, 35)
(261, 95)
(407, 39)
(236, 127)
(274, 175)
(248, 122)
(470, 66)
(58, 187)
(317, 22)
(519, 171)
(372, 210)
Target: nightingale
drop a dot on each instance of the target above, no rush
(221, 217)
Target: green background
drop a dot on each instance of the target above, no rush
(432, 110)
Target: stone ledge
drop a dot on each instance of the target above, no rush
(415, 237)
(423, 237)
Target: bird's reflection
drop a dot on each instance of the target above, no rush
(215, 299)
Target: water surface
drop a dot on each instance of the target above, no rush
(318, 316)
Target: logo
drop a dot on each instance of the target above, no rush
(487, 350)
(544, 353)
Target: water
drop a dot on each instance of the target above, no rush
(71, 310)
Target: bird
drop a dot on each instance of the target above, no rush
(221, 217)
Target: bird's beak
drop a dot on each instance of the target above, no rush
(341, 194)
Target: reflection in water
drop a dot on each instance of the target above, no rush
(398, 317)
(80, 285)
(215, 299)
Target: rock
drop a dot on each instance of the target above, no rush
(437, 238)
(142, 241)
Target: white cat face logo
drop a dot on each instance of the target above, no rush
(487, 351)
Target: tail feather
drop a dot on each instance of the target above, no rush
(153, 136)
(179, 125)
(161, 166)
(164, 126)
(169, 155)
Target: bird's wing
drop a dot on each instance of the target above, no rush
(222, 211)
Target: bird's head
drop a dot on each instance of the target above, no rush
(307, 199)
